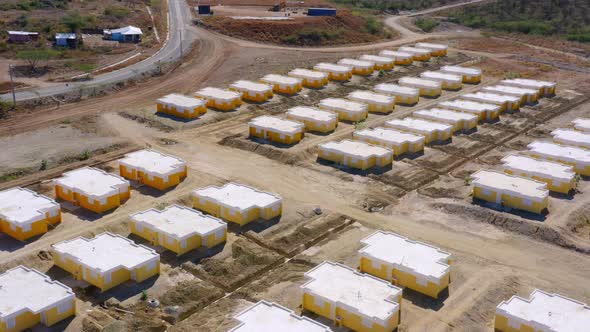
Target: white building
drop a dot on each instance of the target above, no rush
(376, 102)
(399, 142)
(381, 62)
(432, 131)
(571, 137)
(335, 72)
(420, 54)
(355, 154)
(459, 120)
(153, 168)
(577, 157)
(403, 94)
(400, 58)
(375, 301)
(347, 110)
(310, 78)
(359, 67)
(253, 91)
(29, 297)
(283, 84)
(506, 102)
(470, 75)
(270, 317)
(180, 105)
(435, 49)
(313, 118)
(406, 263)
(525, 95)
(559, 177)
(545, 88)
(542, 311)
(482, 110)
(276, 129)
(222, 99)
(582, 124)
(448, 81)
(428, 88)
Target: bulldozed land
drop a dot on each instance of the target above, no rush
(426, 197)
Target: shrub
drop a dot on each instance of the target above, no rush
(579, 37)
(116, 11)
(43, 165)
(426, 24)
(86, 154)
(373, 26)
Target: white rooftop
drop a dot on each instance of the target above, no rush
(238, 196)
(548, 312)
(107, 252)
(411, 256)
(270, 317)
(343, 104)
(331, 67)
(93, 182)
(23, 289)
(312, 113)
(338, 283)
(437, 75)
(356, 63)
(153, 162)
(307, 73)
(415, 81)
(251, 86)
(461, 70)
(389, 135)
(181, 100)
(582, 124)
(218, 93)
(492, 97)
(370, 97)
(469, 105)
(566, 136)
(357, 148)
(128, 30)
(432, 46)
(546, 169)
(570, 153)
(376, 58)
(510, 90)
(532, 189)
(396, 54)
(528, 83)
(443, 114)
(395, 89)
(277, 124)
(179, 222)
(21, 206)
(414, 50)
(280, 79)
(418, 124)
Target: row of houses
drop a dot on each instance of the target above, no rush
(128, 34)
(260, 91)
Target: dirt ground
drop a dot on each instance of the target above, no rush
(497, 252)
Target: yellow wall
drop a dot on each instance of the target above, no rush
(451, 85)
(511, 201)
(564, 187)
(288, 90)
(275, 136)
(339, 76)
(236, 217)
(28, 320)
(363, 71)
(314, 126)
(501, 324)
(94, 206)
(194, 113)
(156, 182)
(421, 57)
(406, 100)
(359, 163)
(192, 243)
(379, 108)
(404, 62)
(37, 228)
(384, 66)
(253, 96)
(223, 105)
(438, 53)
(471, 79)
(580, 170)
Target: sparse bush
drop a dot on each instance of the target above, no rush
(144, 295)
(116, 11)
(359, 125)
(34, 56)
(467, 180)
(426, 24)
(43, 165)
(381, 73)
(511, 75)
(85, 155)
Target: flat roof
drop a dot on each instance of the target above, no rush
(510, 90)
(376, 58)
(218, 93)
(23, 289)
(570, 135)
(411, 256)
(370, 97)
(270, 317)
(343, 104)
(331, 67)
(179, 222)
(153, 162)
(490, 97)
(418, 124)
(356, 63)
(181, 101)
(395, 89)
(356, 148)
(280, 79)
(20, 206)
(445, 115)
(277, 124)
(582, 124)
(396, 54)
(414, 50)
(307, 73)
(432, 46)
(107, 252)
(551, 312)
(569, 153)
(238, 196)
(516, 185)
(461, 70)
(312, 113)
(415, 81)
(469, 105)
(528, 83)
(251, 86)
(369, 296)
(436, 75)
(546, 169)
(92, 182)
(389, 135)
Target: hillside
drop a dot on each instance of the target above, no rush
(393, 4)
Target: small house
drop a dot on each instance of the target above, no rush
(128, 34)
(22, 36)
(66, 40)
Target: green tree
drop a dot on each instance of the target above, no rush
(74, 21)
(34, 56)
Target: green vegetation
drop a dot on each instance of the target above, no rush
(116, 11)
(540, 17)
(29, 5)
(34, 56)
(311, 36)
(43, 165)
(85, 67)
(74, 21)
(85, 155)
(427, 24)
(392, 4)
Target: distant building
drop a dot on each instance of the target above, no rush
(66, 39)
(321, 12)
(128, 34)
(204, 9)
(22, 36)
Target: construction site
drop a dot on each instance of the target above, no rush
(424, 183)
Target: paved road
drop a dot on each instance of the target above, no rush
(180, 18)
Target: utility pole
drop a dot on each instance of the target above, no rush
(12, 86)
